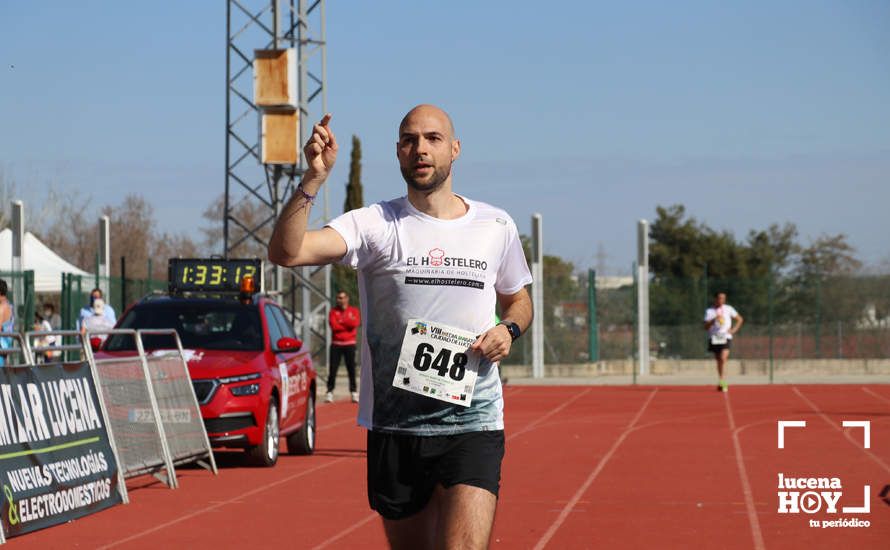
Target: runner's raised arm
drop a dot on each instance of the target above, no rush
(291, 244)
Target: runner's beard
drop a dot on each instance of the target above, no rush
(440, 174)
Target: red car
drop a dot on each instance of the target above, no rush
(253, 380)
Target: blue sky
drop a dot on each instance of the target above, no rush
(590, 113)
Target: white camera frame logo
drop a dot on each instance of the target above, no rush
(810, 502)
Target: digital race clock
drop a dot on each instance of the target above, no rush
(212, 275)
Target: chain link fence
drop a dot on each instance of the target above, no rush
(592, 322)
(822, 318)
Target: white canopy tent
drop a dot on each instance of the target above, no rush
(46, 264)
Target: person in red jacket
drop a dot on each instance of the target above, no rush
(344, 320)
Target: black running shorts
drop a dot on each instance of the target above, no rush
(403, 470)
(715, 348)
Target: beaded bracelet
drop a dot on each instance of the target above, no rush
(309, 198)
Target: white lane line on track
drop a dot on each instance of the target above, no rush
(837, 426)
(753, 520)
(220, 504)
(596, 471)
(537, 422)
(339, 422)
(879, 396)
(346, 531)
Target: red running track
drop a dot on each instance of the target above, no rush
(586, 467)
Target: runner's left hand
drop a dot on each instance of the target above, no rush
(494, 344)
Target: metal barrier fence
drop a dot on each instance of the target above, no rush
(180, 413)
(14, 351)
(153, 416)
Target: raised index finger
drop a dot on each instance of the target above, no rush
(326, 119)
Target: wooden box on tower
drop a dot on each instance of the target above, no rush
(275, 79)
(279, 137)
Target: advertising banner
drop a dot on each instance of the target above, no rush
(56, 462)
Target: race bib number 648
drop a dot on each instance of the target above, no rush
(436, 362)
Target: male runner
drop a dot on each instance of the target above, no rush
(440, 261)
(718, 323)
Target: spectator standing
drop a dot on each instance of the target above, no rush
(41, 324)
(98, 321)
(50, 315)
(344, 320)
(87, 311)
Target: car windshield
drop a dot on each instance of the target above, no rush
(212, 325)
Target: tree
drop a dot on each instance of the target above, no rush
(344, 278)
(770, 252)
(829, 255)
(354, 193)
(7, 192)
(821, 282)
(166, 246)
(132, 235)
(769, 275)
(684, 256)
(250, 214)
(67, 230)
(685, 248)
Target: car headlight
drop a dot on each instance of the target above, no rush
(248, 389)
(241, 378)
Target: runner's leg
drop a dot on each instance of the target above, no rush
(417, 532)
(466, 516)
(722, 356)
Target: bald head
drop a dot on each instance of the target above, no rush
(429, 112)
(427, 148)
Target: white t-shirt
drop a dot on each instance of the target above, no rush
(724, 315)
(412, 265)
(46, 341)
(98, 323)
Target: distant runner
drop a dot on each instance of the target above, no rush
(719, 324)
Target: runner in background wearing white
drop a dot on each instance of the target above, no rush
(719, 324)
(438, 259)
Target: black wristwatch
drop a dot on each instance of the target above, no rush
(512, 328)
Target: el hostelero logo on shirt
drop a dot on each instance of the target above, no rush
(437, 258)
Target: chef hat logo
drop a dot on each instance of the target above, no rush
(436, 256)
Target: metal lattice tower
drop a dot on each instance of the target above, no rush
(255, 193)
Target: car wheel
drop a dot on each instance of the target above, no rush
(302, 442)
(266, 453)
